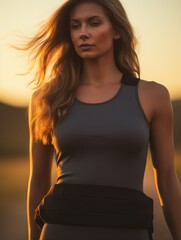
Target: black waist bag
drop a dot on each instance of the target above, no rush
(94, 205)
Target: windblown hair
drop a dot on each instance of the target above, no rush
(59, 67)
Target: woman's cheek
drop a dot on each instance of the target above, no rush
(105, 36)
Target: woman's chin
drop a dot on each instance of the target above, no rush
(87, 56)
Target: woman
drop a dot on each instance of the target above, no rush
(94, 112)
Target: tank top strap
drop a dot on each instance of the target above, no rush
(130, 80)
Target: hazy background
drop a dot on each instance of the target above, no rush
(157, 25)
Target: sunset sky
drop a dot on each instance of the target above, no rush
(157, 25)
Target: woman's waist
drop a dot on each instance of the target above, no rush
(98, 200)
(101, 179)
(96, 205)
(66, 188)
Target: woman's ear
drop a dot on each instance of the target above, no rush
(116, 36)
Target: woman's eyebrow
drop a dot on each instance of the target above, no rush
(89, 18)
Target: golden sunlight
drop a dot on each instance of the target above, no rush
(158, 34)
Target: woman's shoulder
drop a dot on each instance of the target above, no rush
(34, 97)
(155, 97)
(39, 91)
(154, 90)
(34, 100)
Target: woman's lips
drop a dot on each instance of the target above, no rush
(86, 46)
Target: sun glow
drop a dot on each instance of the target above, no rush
(159, 37)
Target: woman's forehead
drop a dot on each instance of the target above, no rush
(87, 10)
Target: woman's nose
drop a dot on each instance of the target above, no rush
(83, 36)
(83, 33)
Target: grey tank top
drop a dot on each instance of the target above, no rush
(104, 143)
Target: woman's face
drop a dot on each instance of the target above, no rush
(91, 31)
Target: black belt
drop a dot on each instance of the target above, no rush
(95, 205)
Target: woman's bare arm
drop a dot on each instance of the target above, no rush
(162, 149)
(39, 178)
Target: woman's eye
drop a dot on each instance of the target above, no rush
(77, 26)
(94, 23)
(74, 26)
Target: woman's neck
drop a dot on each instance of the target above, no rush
(100, 72)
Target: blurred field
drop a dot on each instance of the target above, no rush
(13, 185)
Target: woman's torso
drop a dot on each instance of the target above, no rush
(102, 144)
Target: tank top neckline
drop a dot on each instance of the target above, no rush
(107, 101)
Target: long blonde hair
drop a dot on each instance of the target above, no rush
(59, 67)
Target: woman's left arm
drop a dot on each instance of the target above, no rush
(162, 150)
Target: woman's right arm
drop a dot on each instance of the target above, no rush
(40, 177)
